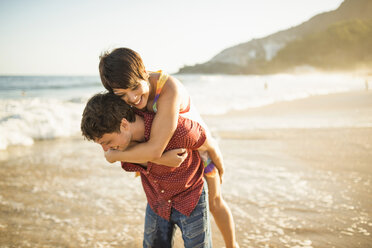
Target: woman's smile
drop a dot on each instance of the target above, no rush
(135, 104)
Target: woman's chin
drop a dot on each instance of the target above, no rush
(141, 105)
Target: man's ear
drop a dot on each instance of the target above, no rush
(124, 124)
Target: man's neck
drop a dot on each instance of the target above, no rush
(138, 129)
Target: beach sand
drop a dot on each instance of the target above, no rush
(298, 174)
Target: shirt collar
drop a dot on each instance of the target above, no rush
(148, 117)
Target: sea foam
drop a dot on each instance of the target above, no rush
(23, 121)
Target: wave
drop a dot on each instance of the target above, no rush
(23, 121)
(49, 114)
(26, 120)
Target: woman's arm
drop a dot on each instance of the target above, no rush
(162, 129)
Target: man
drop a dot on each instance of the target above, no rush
(176, 195)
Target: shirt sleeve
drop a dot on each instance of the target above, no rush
(189, 133)
(130, 167)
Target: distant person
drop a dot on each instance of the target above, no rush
(123, 73)
(175, 195)
(366, 84)
(266, 86)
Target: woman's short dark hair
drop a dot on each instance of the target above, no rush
(122, 68)
(103, 114)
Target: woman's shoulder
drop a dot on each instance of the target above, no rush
(154, 76)
(169, 84)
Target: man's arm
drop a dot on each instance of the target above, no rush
(194, 137)
(172, 158)
(214, 152)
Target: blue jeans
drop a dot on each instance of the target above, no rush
(196, 230)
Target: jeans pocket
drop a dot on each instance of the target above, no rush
(197, 223)
(194, 226)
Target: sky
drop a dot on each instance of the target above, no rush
(53, 37)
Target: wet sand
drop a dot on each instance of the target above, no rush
(299, 178)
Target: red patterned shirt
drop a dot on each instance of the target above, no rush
(168, 187)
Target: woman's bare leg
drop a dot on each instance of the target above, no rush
(221, 212)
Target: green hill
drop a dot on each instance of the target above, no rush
(334, 40)
(342, 46)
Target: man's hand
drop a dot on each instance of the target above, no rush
(211, 146)
(172, 158)
(111, 155)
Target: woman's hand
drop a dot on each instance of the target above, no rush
(112, 155)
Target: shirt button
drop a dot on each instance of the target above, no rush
(147, 172)
(169, 201)
(162, 191)
(155, 181)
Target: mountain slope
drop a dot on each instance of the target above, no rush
(259, 55)
(344, 45)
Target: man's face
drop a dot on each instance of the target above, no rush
(116, 141)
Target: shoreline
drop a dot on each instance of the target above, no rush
(348, 109)
(286, 186)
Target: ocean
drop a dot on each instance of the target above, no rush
(48, 107)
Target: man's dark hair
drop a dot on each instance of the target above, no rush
(122, 68)
(103, 114)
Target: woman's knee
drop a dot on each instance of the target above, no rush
(215, 203)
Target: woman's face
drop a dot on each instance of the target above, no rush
(137, 96)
